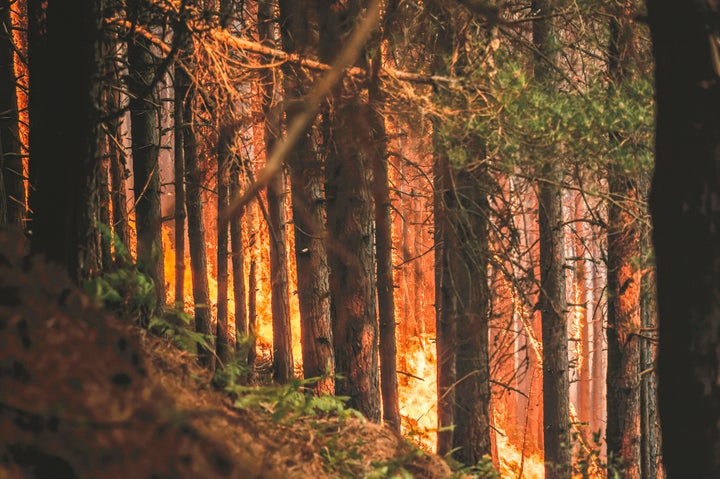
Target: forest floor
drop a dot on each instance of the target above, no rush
(83, 394)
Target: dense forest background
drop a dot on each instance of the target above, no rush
(436, 210)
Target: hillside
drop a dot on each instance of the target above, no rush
(83, 394)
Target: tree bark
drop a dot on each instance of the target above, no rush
(383, 248)
(280, 299)
(65, 132)
(238, 260)
(12, 200)
(553, 302)
(623, 281)
(224, 157)
(308, 203)
(686, 219)
(180, 215)
(145, 132)
(194, 203)
(350, 219)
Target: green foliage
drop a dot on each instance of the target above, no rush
(130, 293)
(291, 401)
(503, 114)
(176, 325)
(125, 290)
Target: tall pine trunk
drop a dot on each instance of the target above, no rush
(686, 220)
(280, 299)
(308, 203)
(145, 133)
(180, 216)
(194, 203)
(351, 235)
(553, 303)
(623, 279)
(383, 247)
(65, 132)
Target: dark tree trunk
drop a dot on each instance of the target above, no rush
(180, 216)
(467, 211)
(553, 303)
(280, 299)
(65, 131)
(350, 219)
(194, 202)
(686, 218)
(145, 132)
(383, 247)
(623, 280)
(238, 261)
(12, 199)
(445, 325)
(106, 258)
(651, 467)
(118, 167)
(224, 155)
(308, 203)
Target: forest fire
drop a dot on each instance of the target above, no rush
(467, 251)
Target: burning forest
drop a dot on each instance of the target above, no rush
(432, 216)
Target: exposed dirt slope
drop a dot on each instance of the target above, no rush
(83, 395)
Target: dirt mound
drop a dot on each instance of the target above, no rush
(85, 395)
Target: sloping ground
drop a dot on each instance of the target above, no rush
(83, 395)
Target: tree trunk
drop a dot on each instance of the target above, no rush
(623, 282)
(12, 199)
(224, 156)
(180, 216)
(145, 132)
(238, 260)
(65, 132)
(445, 326)
(383, 248)
(553, 303)
(194, 202)
(467, 211)
(280, 299)
(308, 203)
(686, 217)
(582, 305)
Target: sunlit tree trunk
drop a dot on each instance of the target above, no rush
(686, 220)
(194, 203)
(276, 194)
(581, 307)
(252, 224)
(598, 368)
(308, 203)
(145, 133)
(65, 132)
(350, 219)
(12, 197)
